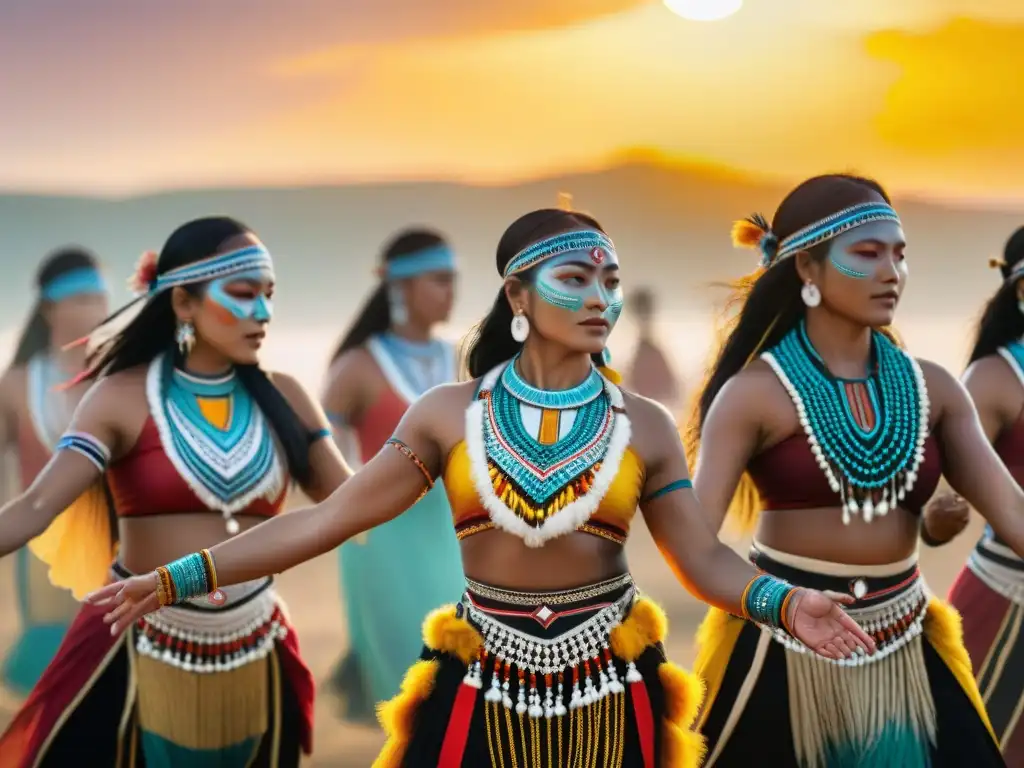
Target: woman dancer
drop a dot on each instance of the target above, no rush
(989, 592)
(387, 359)
(650, 374)
(197, 443)
(843, 435)
(550, 658)
(71, 299)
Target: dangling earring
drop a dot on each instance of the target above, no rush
(520, 328)
(396, 306)
(810, 294)
(606, 357)
(185, 337)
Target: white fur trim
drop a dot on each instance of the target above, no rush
(571, 516)
(270, 486)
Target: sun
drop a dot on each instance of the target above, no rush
(704, 10)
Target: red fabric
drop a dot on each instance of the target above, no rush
(457, 733)
(85, 645)
(378, 423)
(1010, 447)
(146, 483)
(788, 477)
(983, 612)
(644, 721)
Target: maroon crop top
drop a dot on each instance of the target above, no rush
(1010, 447)
(144, 482)
(788, 477)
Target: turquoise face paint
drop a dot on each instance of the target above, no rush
(854, 264)
(570, 287)
(259, 308)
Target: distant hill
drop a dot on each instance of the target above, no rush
(670, 223)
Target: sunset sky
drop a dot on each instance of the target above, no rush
(123, 96)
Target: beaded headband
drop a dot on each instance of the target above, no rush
(246, 259)
(597, 243)
(438, 258)
(75, 282)
(755, 232)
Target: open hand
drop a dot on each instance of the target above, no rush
(818, 621)
(945, 517)
(128, 600)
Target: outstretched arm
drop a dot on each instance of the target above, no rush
(711, 570)
(971, 465)
(70, 471)
(384, 488)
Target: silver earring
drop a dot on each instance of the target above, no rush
(520, 328)
(396, 306)
(606, 357)
(185, 337)
(810, 294)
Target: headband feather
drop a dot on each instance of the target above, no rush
(144, 277)
(996, 263)
(755, 232)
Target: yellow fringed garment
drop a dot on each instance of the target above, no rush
(78, 546)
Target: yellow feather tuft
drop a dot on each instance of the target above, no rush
(645, 626)
(396, 716)
(444, 631)
(747, 234)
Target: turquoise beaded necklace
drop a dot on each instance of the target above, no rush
(871, 468)
(589, 389)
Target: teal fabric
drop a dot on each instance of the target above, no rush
(161, 753)
(895, 745)
(405, 569)
(37, 644)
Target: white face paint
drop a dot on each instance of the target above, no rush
(860, 252)
(569, 280)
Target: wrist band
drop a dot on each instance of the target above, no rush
(191, 576)
(766, 599)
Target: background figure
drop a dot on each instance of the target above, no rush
(649, 373)
(393, 575)
(71, 299)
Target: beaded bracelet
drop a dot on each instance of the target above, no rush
(766, 600)
(190, 576)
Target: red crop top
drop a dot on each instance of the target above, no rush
(788, 477)
(144, 482)
(1010, 447)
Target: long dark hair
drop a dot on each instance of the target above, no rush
(490, 343)
(152, 332)
(1002, 322)
(765, 305)
(375, 316)
(35, 335)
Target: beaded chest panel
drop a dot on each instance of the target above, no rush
(542, 461)
(867, 435)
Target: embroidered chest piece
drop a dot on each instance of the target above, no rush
(215, 437)
(867, 435)
(542, 461)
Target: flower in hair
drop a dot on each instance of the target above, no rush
(996, 263)
(755, 232)
(144, 278)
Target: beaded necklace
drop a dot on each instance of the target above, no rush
(49, 408)
(542, 461)
(868, 445)
(410, 367)
(215, 436)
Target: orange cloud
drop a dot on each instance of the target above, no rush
(957, 89)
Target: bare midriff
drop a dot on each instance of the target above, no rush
(148, 542)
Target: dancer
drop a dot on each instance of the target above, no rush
(197, 443)
(71, 299)
(387, 359)
(650, 373)
(550, 657)
(843, 435)
(989, 592)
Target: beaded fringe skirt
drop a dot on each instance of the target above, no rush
(544, 680)
(989, 593)
(913, 703)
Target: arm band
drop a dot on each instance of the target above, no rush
(86, 445)
(319, 434)
(410, 454)
(673, 486)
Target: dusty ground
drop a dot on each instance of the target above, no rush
(312, 594)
